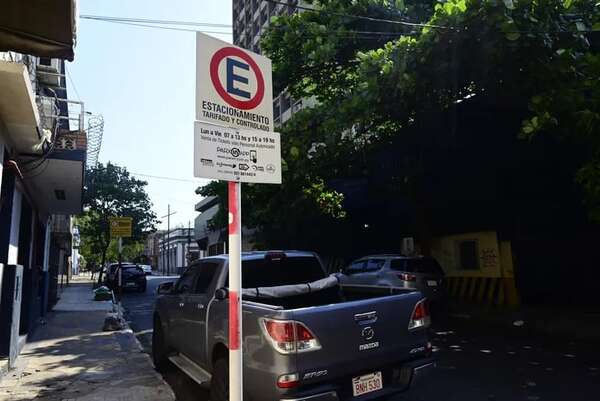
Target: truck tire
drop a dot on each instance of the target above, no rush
(160, 352)
(219, 384)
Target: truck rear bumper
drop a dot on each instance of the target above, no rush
(421, 372)
(329, 396)
(409, 374)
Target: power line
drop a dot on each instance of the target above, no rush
(344, 34)
(72, 83)
(415, 24)
(362, 17)
(159, 177)
(164, 27)
(154, 21)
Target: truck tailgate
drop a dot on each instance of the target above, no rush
(360, 336)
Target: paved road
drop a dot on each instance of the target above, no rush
(139, 309)
(477, 363)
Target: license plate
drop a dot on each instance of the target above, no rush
(432, 283)
(130, 284)
(367, 384)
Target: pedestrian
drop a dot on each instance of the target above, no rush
(93, 269)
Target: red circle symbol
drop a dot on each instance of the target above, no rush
(214, 76)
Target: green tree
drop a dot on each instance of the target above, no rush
(111, 191)
(399, 73)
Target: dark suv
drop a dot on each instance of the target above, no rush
(133, 277)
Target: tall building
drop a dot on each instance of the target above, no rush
(250, 19)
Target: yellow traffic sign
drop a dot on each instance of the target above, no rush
(120, 226)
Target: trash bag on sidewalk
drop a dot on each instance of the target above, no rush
(113, 322)
(103, 294)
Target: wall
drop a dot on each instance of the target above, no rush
(445, 250)
(1, 167)
(13, 246)
(492, 282)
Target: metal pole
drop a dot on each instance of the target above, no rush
(120, 273)
(188, 256)
(235, 289)
(168, 237)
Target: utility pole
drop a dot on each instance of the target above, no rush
(189, 233)
(168, 216)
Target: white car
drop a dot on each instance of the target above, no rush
(147, 269)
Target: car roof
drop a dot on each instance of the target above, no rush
(255, 255)
(393, 256)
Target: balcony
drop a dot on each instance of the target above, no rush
(18, 108)
(56, 175)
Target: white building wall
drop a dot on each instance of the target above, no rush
(47, 234)
(1, 154)
(13, 245)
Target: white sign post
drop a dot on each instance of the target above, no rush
(234, 141)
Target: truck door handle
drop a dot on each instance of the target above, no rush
(366, 318)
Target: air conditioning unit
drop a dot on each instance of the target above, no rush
(49, 71)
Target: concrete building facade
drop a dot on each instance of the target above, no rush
(43, 150)
(250, 19)
(176, 250)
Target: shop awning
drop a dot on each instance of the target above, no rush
(39, 27)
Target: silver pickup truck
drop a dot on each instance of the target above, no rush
(305, 337)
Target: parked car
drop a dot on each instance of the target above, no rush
(133, 277)
(410, 272)
(147, 269)
(305, 336)
(111, 271)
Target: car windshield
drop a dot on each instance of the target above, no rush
(285, 271)
(423, 265)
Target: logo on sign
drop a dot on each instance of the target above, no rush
(240, 68)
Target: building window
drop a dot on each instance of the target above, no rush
(468, 255)
(285, 104)
(297, 106)
(264, 16)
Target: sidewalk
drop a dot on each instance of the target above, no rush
(72, 359)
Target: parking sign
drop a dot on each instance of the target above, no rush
(233, 86)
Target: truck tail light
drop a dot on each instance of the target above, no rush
(407, 277)
(289, 380)
(288, 336)
(420, 316)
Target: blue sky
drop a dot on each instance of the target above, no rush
(142, 81)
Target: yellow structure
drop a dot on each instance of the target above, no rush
(479, 268)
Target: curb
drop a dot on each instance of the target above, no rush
(127, 330)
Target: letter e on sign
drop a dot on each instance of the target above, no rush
(233, 85)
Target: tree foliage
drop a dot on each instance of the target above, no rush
(379, 80)
(111, 191)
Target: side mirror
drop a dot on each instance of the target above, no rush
(165, 288)
(221, 294)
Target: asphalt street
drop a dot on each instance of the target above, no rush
(476, 362)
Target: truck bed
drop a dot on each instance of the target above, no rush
(328, 296)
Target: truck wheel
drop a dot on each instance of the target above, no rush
(160, 352)
(219, 384)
